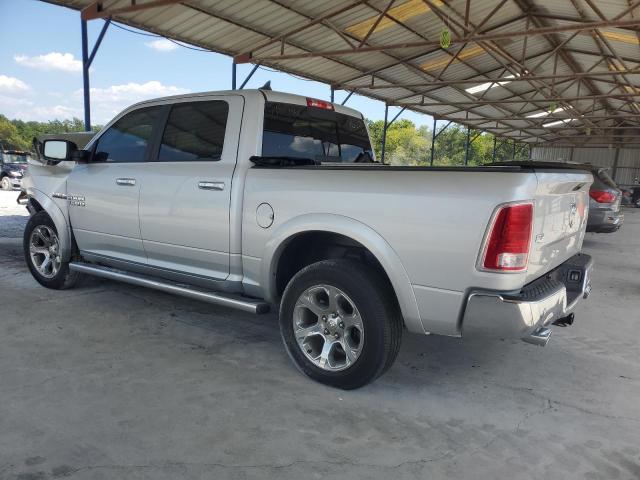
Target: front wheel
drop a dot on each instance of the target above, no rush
(340, 323)
(5, 184)
(42, 254)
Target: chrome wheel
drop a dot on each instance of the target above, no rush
(328, 327)
(44, 249)
(6, 184)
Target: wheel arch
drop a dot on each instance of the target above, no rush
(47, 204)
(351, 233)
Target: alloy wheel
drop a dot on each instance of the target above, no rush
(328, 327)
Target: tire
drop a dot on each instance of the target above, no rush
(41, 242)
(5, 183)
(368, 323)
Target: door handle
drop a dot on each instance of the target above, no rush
(126, 182)
(211, 185)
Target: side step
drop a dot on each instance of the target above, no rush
(224, 299)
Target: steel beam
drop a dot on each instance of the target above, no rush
(384, 132)
(253, 70)
(433, 141)
(514, 100)
(486, 37)
(85, 75)
(471, 81)
(96, 9)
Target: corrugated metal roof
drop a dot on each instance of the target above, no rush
(390, 51)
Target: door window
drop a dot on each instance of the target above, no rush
(127, 140)
(194, 132)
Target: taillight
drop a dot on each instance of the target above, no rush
(602, 196)
(314, 102)
(507, 245)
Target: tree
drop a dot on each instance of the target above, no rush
(10, 138)
(18, 134)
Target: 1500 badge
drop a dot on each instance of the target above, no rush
(75, 200)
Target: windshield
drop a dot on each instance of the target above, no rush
(15, 157)
(319, 134)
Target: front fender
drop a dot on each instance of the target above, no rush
(355, 230)
(59, 218)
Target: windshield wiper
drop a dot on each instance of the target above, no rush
(282, 161)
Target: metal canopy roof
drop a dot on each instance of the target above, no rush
(574, 64)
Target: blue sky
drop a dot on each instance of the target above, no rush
(41, 73)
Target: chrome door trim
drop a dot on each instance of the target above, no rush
(211, 186)
(126, 182)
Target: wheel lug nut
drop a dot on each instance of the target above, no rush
(326, 331)
(341, 324)
(324, 318)
(336, 335)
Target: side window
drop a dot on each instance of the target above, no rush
(127, 140)
(194, 132)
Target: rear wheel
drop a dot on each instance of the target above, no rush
(42, 253)
(340, 324)
(5, 184)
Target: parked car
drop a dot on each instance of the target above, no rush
(631, 196)
(605, 198)
(13, 164)
(255, 199)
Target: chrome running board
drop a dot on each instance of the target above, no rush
(226, 300)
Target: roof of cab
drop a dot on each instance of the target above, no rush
(269, 95)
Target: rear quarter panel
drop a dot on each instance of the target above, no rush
(435, 220)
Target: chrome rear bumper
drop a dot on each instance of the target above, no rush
(527, 313)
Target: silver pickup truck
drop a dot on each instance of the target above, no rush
(254, 199)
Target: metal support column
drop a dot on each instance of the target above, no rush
(433, 141)
(234, 67)
(466, 148)
(495, 141)
(348, 97)
(530, 151)
(333, 95)
(384, 132)
(513, 155)
(249, 76)
(615, 164)
(85, 76)
(87, 60)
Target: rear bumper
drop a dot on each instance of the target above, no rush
(527, 313)
(604, 220)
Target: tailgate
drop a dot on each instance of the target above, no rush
(561, 211)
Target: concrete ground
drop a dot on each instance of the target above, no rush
(110, 381)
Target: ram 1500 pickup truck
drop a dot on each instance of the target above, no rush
(258, 199)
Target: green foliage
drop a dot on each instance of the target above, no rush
(408, 145)
(18, 134)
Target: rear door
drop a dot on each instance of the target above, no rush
(186, 189)
(103, 194)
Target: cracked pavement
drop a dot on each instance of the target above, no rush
(114, 381)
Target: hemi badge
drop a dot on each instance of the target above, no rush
(60, 195)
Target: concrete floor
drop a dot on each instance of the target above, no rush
(110, 381)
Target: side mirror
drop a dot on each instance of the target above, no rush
(54, 151)
(57, 150)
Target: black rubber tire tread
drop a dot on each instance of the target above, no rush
(374, 298)
(65, 278)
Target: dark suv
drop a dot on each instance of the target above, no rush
(13, 164)
(604, 203)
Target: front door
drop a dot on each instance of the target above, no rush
(186, 189)
(104, 194)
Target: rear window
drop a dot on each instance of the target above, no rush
(315, 133)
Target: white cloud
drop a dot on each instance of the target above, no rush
(107, 102)
(12, 84)
(162, 45)
(65, 62)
